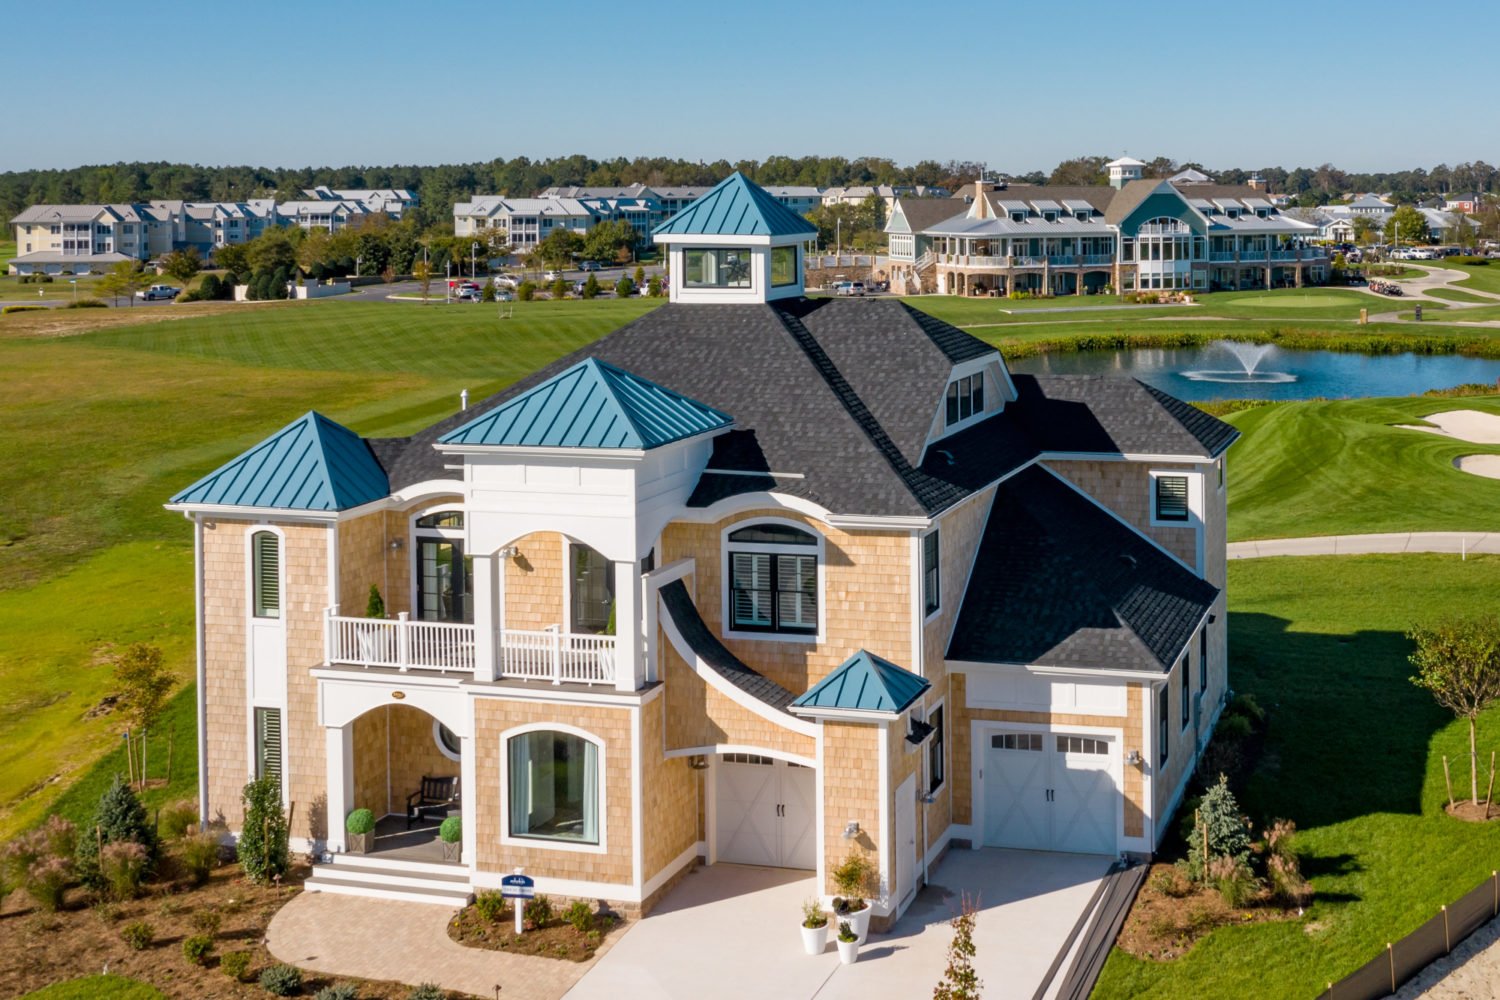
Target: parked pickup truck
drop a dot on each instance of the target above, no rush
(158, 292)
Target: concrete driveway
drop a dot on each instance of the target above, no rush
(731, 931)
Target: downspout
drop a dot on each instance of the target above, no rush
(201, 673)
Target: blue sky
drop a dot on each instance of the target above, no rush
(1018, 85)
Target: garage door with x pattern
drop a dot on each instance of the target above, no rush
(765, 811)
(1050, 792)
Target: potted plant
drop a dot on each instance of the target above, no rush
(852, 878)
(360, 825)
(451, 833)
(814, 927)
(848, 944)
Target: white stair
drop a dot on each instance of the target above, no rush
(391, 878)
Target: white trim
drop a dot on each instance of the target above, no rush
(1194, 519)
(201, 673)
(427, 489)
(772, 549)
(819, 816)
(546, 843)
(711, 810)
(887, 852)
(595, 454)
(333, 566)
(656, 881)
(927, 789)
(876, 522)
(742, 502)
(1150, 750)
(845, 714)
(919, 622)
(239, 511)
(1044, 670)
(252, 702)
(722, 748)
(437, 728)
(551, 694)
(1121, 456)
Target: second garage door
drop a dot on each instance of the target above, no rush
(1050, 792)
(764, 812)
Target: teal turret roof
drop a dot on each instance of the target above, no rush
(312, 463)
(864, 683)
(736, 207)
(591, 405)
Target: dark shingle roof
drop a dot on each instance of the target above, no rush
(696, 633)
(1102, 413)
(1058, 581)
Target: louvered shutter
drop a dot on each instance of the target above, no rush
(751, 589)
(797, 592)
(1171, 498)
(267, 570)
(268, 743)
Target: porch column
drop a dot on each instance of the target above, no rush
(627, 627)
(468, 794)
(340, 745)
(486, 616)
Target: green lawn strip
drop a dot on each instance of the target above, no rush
(1477, 314)
(1340, 467)
(56, 642)
(1353, 756)
(97, 987)
(1458, 295)
(1485, 277)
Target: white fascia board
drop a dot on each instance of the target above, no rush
(428, 488)
(715, 240)
(759, 500)
(1121, 456)
(843, 714)
(606, 454)
(388, 677)
(1045, 670)
(558, 696)
(876, 522)
(238, 511)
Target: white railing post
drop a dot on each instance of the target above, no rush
(556, 631)
(328, 631)
(403, 641)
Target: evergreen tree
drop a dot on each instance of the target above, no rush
(375, 606)
(119, 818)
(591, 286)
(1220, 827)
(263, 851)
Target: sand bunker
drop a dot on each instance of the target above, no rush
(1479, 465)
(1466, 425)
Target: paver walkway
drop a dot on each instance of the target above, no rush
(409, 943)
(1456, 542)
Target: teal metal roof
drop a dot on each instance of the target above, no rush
(865, 683)
(736, 207)
(591, 405)
(310, 464)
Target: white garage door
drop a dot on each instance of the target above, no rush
(764, 812)
(1050, 792)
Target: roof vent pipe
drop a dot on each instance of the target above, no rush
(463, 400)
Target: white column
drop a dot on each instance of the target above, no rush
(627, 627)
(467, 785)
(340, 744)
(486, 616)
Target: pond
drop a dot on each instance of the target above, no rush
(1230, 370)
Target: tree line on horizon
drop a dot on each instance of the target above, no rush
(441, 185)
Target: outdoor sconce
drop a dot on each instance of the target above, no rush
(1132, 756)
(507, 552)
(851, 829)
(396, 544)
(698, 762)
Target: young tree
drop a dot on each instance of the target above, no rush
(183, 265)
(1458, 661)
(1219, 831)
(118, 818)
(422, 271)
(960, 981)
(263, 850)
(624, 288)
(591, 286)
(1406, 223)
(144, 684)
(559, 289)
(122, 279)
(1365, 229)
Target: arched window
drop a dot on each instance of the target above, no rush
(773, 579)
(265, 549)
(553, 780)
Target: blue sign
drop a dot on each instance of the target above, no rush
(518, 886)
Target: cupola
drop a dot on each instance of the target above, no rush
(1124, 170)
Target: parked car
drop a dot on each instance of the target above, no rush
(589, 265)
(507, 281)
(552, 275)
(466, 285)
(467, 295)
(849, 288)
(1421, 255)
(158, 292)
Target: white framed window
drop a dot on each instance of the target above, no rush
(937, 748)
(932, 600)
(1164, 731)
(773, 580)
(553, 789)
(448, 743)
(1172, 500)
(1185, 690)
(963, 399)
(268, 744)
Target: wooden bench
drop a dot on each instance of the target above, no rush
(433, 800)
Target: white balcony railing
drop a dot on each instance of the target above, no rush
(548, 654)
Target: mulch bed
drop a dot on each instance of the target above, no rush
(1467, 811)
(38, 948)
(555, 939)
(1162, 927)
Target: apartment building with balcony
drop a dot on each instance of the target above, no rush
(391, 201)
(754, 579)
(83, 238)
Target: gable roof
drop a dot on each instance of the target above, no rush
(864, 683)
(736, 207)
(591, 405)
(312, 463)
(1095, 414)
(1133, 194)
(1060, 582)
(920, 213)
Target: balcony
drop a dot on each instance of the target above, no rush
(549, 654)
(1222, 256)
(1097, 259)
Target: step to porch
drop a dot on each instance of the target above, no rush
(380, 878)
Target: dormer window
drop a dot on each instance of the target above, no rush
(1233, 213)
(1018, 217)
(1049, 216)
(1263, 213)
(965, 398)
(1081, 216)
(717, 267)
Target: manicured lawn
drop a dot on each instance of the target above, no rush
(1330, 468)
(1474, 315)
(1485, 277)
(1458, 295)
(1353, 756)
(96, 988)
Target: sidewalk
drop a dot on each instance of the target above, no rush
(1456, 542)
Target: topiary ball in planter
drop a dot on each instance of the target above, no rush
(451, 833)
(360, 825)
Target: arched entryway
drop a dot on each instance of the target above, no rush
(407, 770)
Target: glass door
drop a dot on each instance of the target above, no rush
(445, 577)
(592, 591)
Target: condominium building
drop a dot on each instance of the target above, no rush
(82, 238)
(391, 201)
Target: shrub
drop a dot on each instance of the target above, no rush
(208, 288)
(121, 866)
(1172, 881)
(427, 991)
(451, 830)
(559, 289)
(813, 914)
(524, 291)
(1284, 867)
(360, 821)
(1467, 259)
(177, 819)
(1233, 879)
(119, 818)
(57, 837)
(276, 289)
(1233, 727)
(853, 876)
(263, 850)
(624, 288)
(197, 948)
(490, 906)
(89, 303)
(281, 980)
(47, 879)
(640, 275)
(1218, 823)
(207, 922)
(7, 310)
(580, 916)
(138, 935)
(374, 603)
(487, 293)
(653, 287)
(235, 964)
(1247, 706)
(341, 991)
(591, 287)
(200, 855)
(538, 912)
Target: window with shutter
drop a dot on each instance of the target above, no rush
(268, 743)
(751, 588)
(1171, 498)
(266, 549)
(1164, 731)
(931, 598)
(1203, 658)
(772, 589)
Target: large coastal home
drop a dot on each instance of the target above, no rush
(754, 579)
(1134, 234)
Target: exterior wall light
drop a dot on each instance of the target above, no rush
(698, 762)
(507, 552)
(396, 544)
(1132, 756)
(851, 829)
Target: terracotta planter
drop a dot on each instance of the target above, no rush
(848, 952)
(361, 843)
(814, 939)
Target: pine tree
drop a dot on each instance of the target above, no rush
(1220, 827)
(375, 606)
(263, 851)
(119, 818)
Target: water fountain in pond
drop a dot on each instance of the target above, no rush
(1249, 357)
